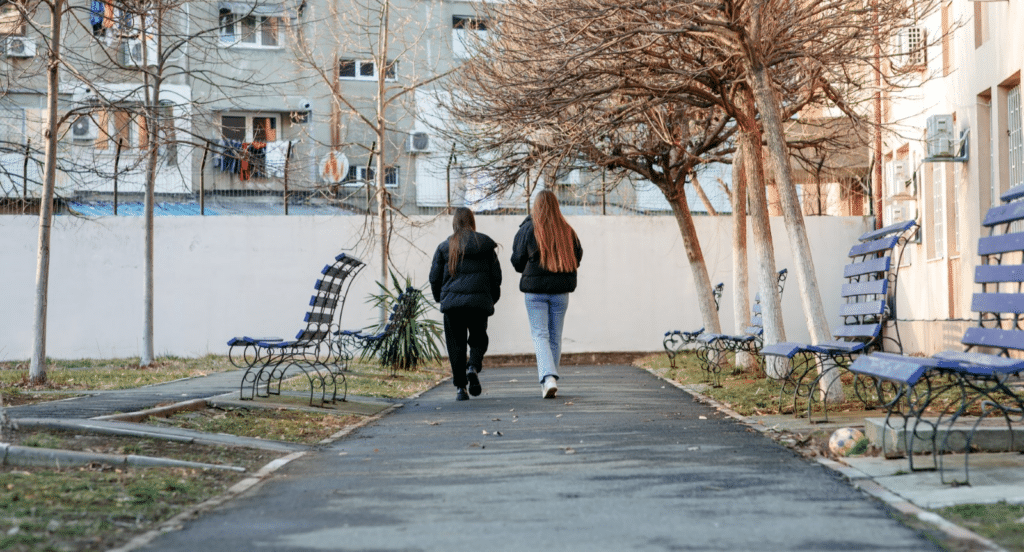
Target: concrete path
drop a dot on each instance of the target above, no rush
(620, 461)
(101, 403)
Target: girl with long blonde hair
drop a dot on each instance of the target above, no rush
(547, 252)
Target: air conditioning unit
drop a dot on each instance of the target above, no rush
(941, 136)
(133, 53)
(84, 129)
(901, 171)
(418, 142)
(20, 47)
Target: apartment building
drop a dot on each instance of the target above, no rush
(956, 145)
(251, 98)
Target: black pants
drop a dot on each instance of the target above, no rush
(458, 324)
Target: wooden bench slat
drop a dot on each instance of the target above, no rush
(998, 302)
(874, 246)
(983, 363)
(869, 266)
(993, 337)
(837, 346)
(786, 349)
(1002, 214)
(989, 274)
(323, 302)
(863, 308)
(1016, 192)
(858, 330)
(873, 287)
(319, 317)
(993, 245)
(894, 228)
(891, 367)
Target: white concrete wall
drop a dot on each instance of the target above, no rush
(217, 277)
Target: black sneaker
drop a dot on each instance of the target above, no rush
(474, 381)
(461, 394)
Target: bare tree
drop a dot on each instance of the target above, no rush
(534, 102)
(375, 41)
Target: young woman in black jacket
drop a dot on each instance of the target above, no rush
(547, 252)
(465, 278)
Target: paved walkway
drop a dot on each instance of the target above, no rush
(620, 461)
(102, 403)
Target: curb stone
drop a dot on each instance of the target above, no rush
(177, 522)
(859, 480)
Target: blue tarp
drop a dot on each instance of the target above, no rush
(177, 209)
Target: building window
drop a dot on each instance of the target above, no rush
(355, 69)
(106, 130)
(467, 32)
(360, 176)
(938, 211)
(249, 128)
(1015, 138)
(12, 22)
(12, 127)
(250, 26)
(913, 52)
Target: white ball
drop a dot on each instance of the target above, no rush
(843, 440)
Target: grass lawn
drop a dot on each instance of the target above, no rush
(99, 507)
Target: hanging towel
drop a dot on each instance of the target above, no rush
(276, 158)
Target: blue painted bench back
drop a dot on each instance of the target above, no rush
(756, 324)
(869, 292)
(999, 307)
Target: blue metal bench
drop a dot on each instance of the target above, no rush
(402, 312)
(980, 382)
(676, 340)
(712, 346)
(868, 310)
(268, 360)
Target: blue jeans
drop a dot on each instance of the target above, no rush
(547, 316)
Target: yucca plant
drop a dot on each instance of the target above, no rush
(410, 338)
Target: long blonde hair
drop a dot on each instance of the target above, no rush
(555, 238)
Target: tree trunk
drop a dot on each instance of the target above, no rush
(703, 196)
(740, 269)
(767, 273)
(152, 101)
(381, 127)
(814, 310)
(37, 367)
(695, 257)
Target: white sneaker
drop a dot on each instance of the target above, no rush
(549, 388)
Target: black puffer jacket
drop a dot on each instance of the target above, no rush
(526, 259)
(477, 280)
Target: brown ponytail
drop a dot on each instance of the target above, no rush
(464, 224)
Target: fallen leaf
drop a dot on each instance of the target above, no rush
(498, 433)
(432, 423)
(568, 402)
(703, 417)
(570, 450)
(495, 419)
(558, 416)
(485, 432)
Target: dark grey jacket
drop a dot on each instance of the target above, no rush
(526, 259)
(477, 280)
